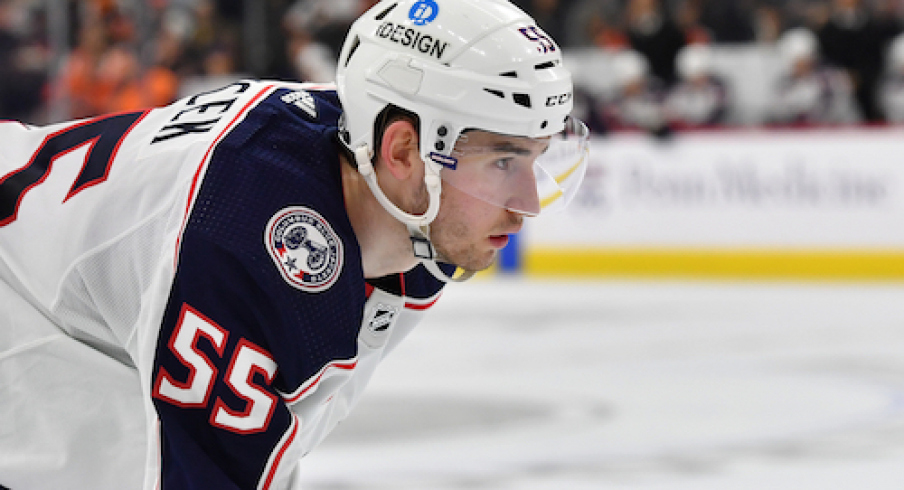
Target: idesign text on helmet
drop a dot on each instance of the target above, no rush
(412, 38)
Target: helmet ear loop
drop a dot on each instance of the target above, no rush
(431, 180)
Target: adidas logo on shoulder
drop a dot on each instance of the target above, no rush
(303, 100)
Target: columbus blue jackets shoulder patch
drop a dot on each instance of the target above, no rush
(304, 248)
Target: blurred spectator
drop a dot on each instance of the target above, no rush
(727, 21)
(802, 13)
(607, 36)
(687, 18)
(654, 34)
(131, 87)
(891, 88)
(854, 38)
(326, 21)
(172, 44)
(700, 98)
(636, 102)
(23, 65)
(768, 23)
(208, 33)
(105, 74)
(589, 21)
(809, 92)
(80, 78)
(119, 75)
(550, 15)
(587, 108)
(310, 59)
(199, 43)
(217, 70)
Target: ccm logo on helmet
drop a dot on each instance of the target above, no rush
(554, 100)
(412, 38)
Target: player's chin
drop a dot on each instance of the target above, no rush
(477, 256)
(476, 262)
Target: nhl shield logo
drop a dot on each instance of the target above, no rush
(306, 250)
(382, 318)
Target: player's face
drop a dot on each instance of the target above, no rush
(470, 230)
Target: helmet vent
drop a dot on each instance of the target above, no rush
(351, 51)
(522, 99)
(548, 64)
(386, 12)
(510, 74)
(497, 93)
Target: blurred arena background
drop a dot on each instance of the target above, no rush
(732, 138)
(719, 308)
(64, 58)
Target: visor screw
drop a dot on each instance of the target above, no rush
(440, 146)
(442, 131)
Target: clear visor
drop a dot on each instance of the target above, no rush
(523, 175)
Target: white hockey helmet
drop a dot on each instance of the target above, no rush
(694, 60)
(629, 66)
(894, 58)
(797, 44)
(461, 65)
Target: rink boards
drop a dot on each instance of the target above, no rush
(801, 204)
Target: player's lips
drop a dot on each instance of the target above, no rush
(501, 240)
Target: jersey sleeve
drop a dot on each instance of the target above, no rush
(244, 324)
(222, 421)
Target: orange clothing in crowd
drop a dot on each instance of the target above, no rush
(156, 88)
(113, 84)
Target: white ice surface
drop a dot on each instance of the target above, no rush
(513, 384)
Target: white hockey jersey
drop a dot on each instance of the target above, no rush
(182, 303)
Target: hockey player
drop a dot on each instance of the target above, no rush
(891, 85)
(194, 296)
(637, 96)
(700, 98)
(809, 92)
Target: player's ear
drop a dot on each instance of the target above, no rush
(399, 149)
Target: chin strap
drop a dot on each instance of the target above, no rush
(418, 226)
(427, 255)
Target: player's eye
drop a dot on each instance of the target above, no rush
(503, 163)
